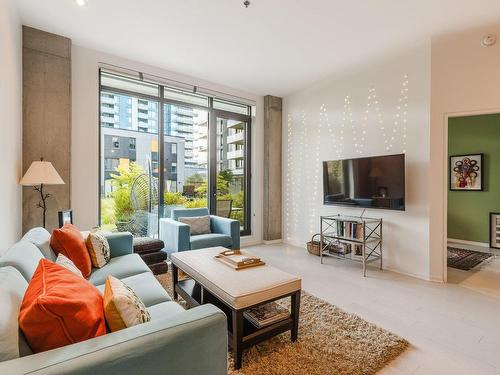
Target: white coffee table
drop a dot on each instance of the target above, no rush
(236, 291)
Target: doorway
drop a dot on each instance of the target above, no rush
(473, 194)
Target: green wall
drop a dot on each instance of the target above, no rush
(468, 211)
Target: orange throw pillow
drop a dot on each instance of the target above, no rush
(69, 241)
(60, 308)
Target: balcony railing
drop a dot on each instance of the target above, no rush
(237, 154)
(238, 138)
(235, 125)
(105, 99)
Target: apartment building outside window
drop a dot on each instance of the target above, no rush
(181, 148)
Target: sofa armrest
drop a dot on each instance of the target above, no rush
(189, 343)
(120, 243)
(228, 227)
(175, 235)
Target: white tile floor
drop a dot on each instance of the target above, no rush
(454, 328)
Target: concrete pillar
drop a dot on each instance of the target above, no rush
(272, 168)
(46, 119)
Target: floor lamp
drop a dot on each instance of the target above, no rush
(41, 173)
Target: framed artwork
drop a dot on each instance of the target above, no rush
(65, 217)
(466, 172)
(495, 230)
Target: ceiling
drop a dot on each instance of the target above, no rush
(273, 47)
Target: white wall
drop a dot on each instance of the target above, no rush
(85, 142)
(11, 123)
(312, 123)
(465, 80)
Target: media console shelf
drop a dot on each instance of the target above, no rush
(351, 238)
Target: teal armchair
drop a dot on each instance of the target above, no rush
(177, 236)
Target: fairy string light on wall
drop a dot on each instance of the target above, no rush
(289, 179)
(404, 105)
(331, 135)
(300, 165)
(316, 169)
(346, 119)
(399, 124)
(371, 103)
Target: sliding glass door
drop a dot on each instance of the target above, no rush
(231, 160)
(185, 157)
(163, 148)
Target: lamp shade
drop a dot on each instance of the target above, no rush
(41, 172)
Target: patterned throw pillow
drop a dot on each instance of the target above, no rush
(98, 248)
(68, 264)
(197, 224)
(122, 307)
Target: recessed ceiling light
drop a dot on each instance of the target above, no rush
(81, 3)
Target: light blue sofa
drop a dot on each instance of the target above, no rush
(177, 236)
(175, 341)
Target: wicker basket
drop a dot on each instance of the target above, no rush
(314, 246)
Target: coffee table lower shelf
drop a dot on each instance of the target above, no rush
(247, 334)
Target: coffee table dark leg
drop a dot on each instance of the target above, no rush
(295, 307)
(237, 318)
(175, 279)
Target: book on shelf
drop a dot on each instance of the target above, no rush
(350, 230)
(264, 315)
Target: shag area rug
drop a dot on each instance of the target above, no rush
(464, 259)
(331, 342)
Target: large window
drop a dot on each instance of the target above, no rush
(163, 148)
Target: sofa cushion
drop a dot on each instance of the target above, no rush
(122, 307)
(119, 267)
(12, 289)
(197, 224)
(210, 240)
(69, 241)
(24, 256)
(147, 288)
(68, 264)
(188, 212)
(40, 237)
(165, 310)
(98, 248)
(60, 308)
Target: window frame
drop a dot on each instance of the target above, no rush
(212, 144)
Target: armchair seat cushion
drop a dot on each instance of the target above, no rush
(210, 240)
(119, 267)
(147, 288)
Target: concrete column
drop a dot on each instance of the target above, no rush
(272, 167)
(46, 119)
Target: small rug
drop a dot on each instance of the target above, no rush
(464, 259)
(330, 341)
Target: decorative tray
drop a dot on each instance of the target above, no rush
(238, 260)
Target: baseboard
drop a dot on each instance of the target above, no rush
(250, 241)
(411, 274)
(471, 243)
(271, 242)
(294, 242)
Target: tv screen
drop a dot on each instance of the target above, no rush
(372, 182)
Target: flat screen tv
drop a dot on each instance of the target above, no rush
(372, 182)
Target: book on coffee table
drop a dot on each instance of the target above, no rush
(267, 314)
